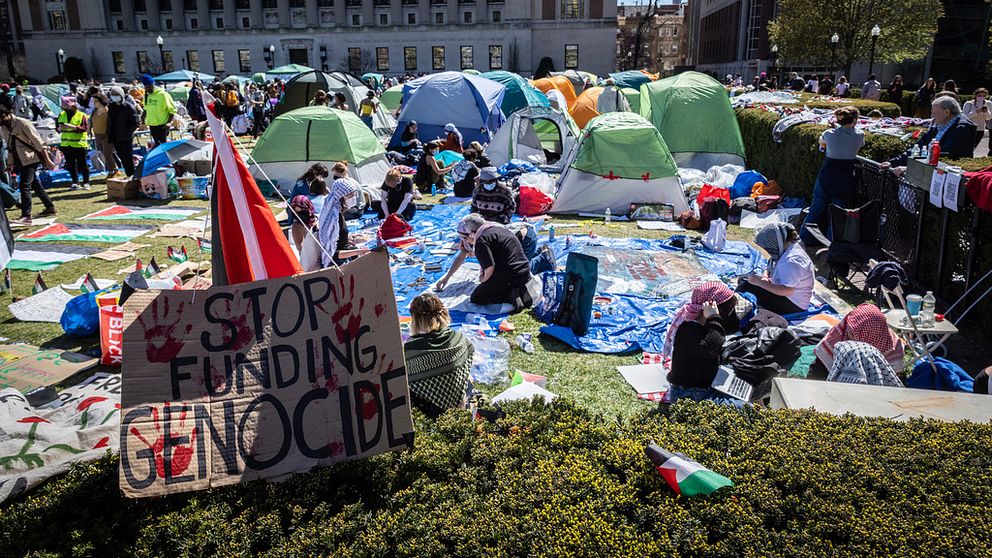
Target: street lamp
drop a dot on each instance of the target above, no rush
(323, 58)
(270, 56)
(834, 39)
(875, 32)
(161, 51)
(60, 60)
(775, 67)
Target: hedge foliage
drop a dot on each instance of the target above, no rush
(559, 481)
(796, 161)
(908, 102)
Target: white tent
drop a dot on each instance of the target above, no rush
(354, 90)
(620, 159)
(531, 134)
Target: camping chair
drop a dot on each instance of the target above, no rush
(856, 241)
(889, 279)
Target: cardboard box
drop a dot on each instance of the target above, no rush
(202, 167)
(122, 188)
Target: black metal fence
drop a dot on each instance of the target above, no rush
(942, 250)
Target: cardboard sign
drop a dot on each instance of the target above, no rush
(25, 367)
(262, 379)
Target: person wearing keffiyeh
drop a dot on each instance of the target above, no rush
(788, 286)
(865, 324)
(861, 363)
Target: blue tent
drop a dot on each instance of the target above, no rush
(519, 92)
(631, 78)
(184, 75)
(471, 103)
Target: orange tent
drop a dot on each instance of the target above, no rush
(559, 83)
(584, 108)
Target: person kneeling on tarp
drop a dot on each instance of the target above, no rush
(695, 343)
(788, 287)
(438, 359)
(505, 270)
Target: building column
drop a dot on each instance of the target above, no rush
(257, 19)
(284, 17)
(340, 13)
(203, 14)
(368, 13)
(154, 16)
(230, 17)
(313, 17)
(178, 16)
(127, 13)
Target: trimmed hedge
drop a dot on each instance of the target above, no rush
(908, 102)
(559, 481)
(796, 161)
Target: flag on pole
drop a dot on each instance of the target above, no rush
(177, 255)
(39, 285)
(151, 269)
(253, 247)
(685, 476)
(88, 284)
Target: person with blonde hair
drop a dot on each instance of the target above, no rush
(438, 358)
(396, 196)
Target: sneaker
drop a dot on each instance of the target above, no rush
(86, 186)
(22, 222)
(48, 212)
(73, 187)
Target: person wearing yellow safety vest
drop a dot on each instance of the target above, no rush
(159, 110)
(73, 127)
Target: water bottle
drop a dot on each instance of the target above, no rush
(551, 233)
(924, 153)
(607, 213)
(433, 189)
(523, 341)
(915, 152)
(926, 312)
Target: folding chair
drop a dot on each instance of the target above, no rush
(889, 283)
(856, 241)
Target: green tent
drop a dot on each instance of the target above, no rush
(392, 97)
(692, 111)
(633, 98)
(180, 94)
(289, 70)
(519, 92)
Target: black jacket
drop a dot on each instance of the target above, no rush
(122, 121)
(958, 142)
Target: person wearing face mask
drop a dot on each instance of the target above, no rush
(954, 133)
(122, 121)
(978, 112)
(493, 199)
(25, 150)
(73, 127)
(504, 268)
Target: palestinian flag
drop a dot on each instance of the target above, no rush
(204, 245)
(151, 269)
(39, 285)
(177, 255)
(44, 257)
(86, 233)
(88, 284)
(685, 476)
(133, 212)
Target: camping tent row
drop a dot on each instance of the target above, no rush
(300, 89)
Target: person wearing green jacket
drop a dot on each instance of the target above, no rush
(159, 110)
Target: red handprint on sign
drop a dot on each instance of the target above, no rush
(162, 344)
(243, 333)
(346, 323)
(182, 455)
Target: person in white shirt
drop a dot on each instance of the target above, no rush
(872, 89)
(842, 86)
(788, 286)
(979, 111)
(813, 85)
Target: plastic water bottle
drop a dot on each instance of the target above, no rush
(914, 153)
(926, 312)
(924, 153)
(433, 189)
(607, 213)
(551, 233)
(523, 341)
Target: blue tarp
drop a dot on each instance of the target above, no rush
(631, 78)
(471, 103)
(519, 92)
(184, 75)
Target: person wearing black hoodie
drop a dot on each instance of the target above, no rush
(122, 121)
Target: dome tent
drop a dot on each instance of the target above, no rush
(693, 114)
(519, 92)
(633, 79)
(560, 84)
(620, 159)
(298, 139)
(391, 97)
(530, 133)
(300, 89)
(469, 102)
(595, 101)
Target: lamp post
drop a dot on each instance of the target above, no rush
(161, 51)
(834, 39)
(323, 58)
(875, 32)
(60, 60)
(775, 66)
(270, 56)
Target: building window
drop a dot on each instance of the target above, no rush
(216, 4)
(193, 60)
(57, 20)
(165, 7)
(242, 5)
(497, 17)
(270, 4)
(168, 61)
(675, 31)
(571, 56)
(571, 8)
(218, 61)
(356, 20)
(411, 18)
(115, 8)
(297, 3)
(120, 24)
(437, 57)
(355, 60)
(143, 62)
(189, 5)
(410, 59)
(119, 67)
(467, 17)
(194, 23)
(383, 19)
(244, 61)
(168, 24)
(325, 3)
(140, 5)
(382, 59)
(439, 18)
(468, 57)
(675, 49)
(495, 57)
(218, 23)
(143, 24)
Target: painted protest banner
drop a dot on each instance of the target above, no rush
(262, 379)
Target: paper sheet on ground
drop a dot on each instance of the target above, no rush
(193, 228)
(645, 378)
(752, 220)
(46, 306)
(37, 444)
(34, 223)
(660, 226)
(25, 367)
(458, 294)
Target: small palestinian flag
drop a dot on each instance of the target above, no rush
(151, 269)
(204, 245)
(685, 476)
(88, 284)
(39, 285)
(177, 255)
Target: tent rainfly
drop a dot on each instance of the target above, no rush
(531, 134)
(595, 101)
(300, 89)
(519, 92)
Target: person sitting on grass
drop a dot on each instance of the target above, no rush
(307, 207)
(862, 363)
(788, 286)
(429, 171)
(438, 358)
(493, 199)
(465, 175)
(865, 324)
(396, 196)
(695, 344)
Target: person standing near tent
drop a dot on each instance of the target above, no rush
(429, 171)
(452, 139)
(333, 233)
(396, 196)
(256, 100)
(25, 150)
(366, 109)
(159, 110)
(340, 102)
(73, 128)
(835, 182)
(122, 121)
(22, 103)
(493, 199)
(194, 103)
(319, 99)
(789, 286)
(504, 269)
(99, 120)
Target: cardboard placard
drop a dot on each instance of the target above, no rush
(262, 379)
(25, 367)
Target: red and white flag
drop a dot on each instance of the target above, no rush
(253, 247)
